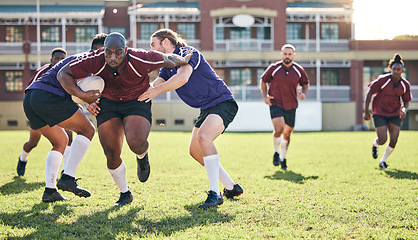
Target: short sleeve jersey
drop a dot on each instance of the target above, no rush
(388, 95)
(205, 88)
(39, 72)
(126, 82)
(283, 83)
(49, 82)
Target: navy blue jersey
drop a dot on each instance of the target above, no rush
(205, 88)
(49, 82)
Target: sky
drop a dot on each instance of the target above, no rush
(385, 19)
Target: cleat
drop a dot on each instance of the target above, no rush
(276, 159)
(383, 165)
(235, 192)
(71, 185)
(213, 200)
(374, 152)
(21, 167)
(124, 199)
(54, 197)
(284, 165)
(143, 168)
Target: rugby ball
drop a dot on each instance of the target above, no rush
(89, 83)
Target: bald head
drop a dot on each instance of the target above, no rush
(115, 41)
(115, 49)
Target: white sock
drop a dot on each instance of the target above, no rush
(212, 169)
(375, 142)
(66, 155)
(388, 151)
(53, 162)
(285, 145)
(225, 179)
(24, 156)
(79, 148)
(119, 176)
(142, 155)
(276, 142)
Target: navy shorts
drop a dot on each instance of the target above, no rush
(44, 108)
(118, 109)
(383, 121)
(226, 110)
(289, 115)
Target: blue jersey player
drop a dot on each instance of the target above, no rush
(198, 86)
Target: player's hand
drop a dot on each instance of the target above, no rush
(148, 95)
(93, 108)
(189, 55)
(267, 100)
(91, 96)
(301, 95)
(403, 114)
(366, 115)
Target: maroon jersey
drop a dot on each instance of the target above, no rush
(283, 83)
(39, 72)
(131, 78)
(388, 95)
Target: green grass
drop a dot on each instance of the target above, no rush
(332, 190)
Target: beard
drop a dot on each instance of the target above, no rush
(287, 61)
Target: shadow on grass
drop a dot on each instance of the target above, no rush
(399, 174)
(19, 185)
(44, 221)
(290, 176)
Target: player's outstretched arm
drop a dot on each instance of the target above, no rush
(174, 60)
(161, 86)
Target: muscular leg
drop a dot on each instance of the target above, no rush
(194, 148)
(137, 129)
(57, 137)
(393, 134)
(34, 137)
(85, 132)
(381, 134)
(210, 129)
(111, 139)
(279, 125)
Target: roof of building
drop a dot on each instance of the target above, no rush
(313, 5)
(51, 8)
(172, 5)
(191, 7)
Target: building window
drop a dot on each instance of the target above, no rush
(240, 77)
(330, 77)
(120, 30)
(240, 35)
(14, 81)
(14, 34)
(264, 33)
(294, 31)
(187, 30)
(50, 34)
(147, 29)
(85, 34)
(220, 33)
(329, 31)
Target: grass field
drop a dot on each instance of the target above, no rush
(332, 190)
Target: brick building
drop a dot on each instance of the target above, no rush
(240, 38)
